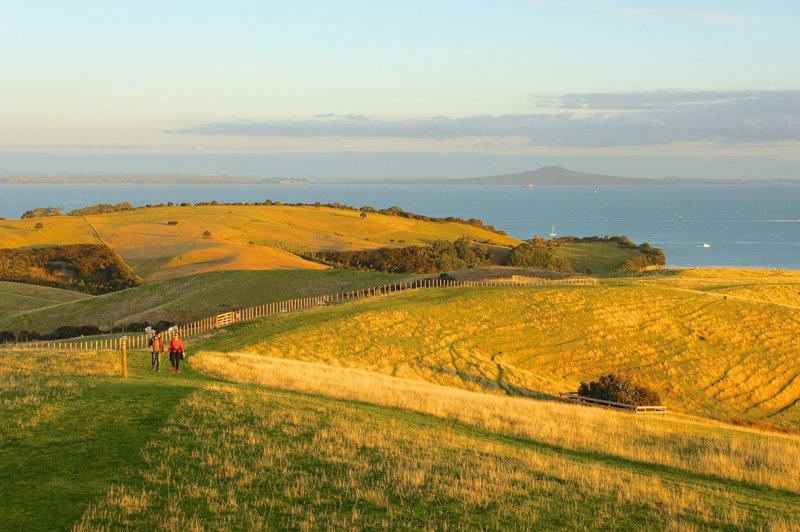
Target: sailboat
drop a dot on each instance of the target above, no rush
(706, 245)
(553, 232)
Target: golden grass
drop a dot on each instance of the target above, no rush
(34, 385)
(706, 355)
(772, 286)
(58, 230)
(143, 236)
(242, 459)
(230, 257)
(700, 448)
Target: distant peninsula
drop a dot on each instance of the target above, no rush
(151, 180)
(557, 175)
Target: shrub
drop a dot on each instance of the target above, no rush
(620, 389)
(206, 234)
(172, 222)
(537, 253)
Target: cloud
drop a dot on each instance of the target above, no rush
(575, 119)
(79, 146)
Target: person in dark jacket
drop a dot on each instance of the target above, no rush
(156, 348)
(176, 352)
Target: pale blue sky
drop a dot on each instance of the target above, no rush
(512, 83)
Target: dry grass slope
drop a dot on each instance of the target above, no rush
(700, 448)
(708, 355)
(241, 236)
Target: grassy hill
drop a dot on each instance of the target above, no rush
(708, 349)
(19, 297)
(241, 237)
(171, 242)
(285, 444)
(192, 297)
(594, 256)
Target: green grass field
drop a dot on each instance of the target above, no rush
(19, 297)
(175, 452)
(197, 296)
(594, 256)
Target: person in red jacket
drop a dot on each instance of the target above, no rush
(176, 352)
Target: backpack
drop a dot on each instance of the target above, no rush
(150, 341)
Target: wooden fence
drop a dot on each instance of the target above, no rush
(575, 398)
(140, 340)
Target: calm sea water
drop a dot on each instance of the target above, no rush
(746, 225)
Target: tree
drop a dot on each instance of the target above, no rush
(536, 253)
(620, 389)
(363, 215)
(39, 226)
(206, 234)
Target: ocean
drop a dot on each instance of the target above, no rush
(743, 225)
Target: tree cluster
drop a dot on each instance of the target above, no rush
(101, 208)
(92, 268)
(538, 253)
(42, 212)
(648, 257)
(620, 389)
(75, 331)
(443, 255)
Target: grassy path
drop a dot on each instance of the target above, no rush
(276, 450)
(246, 456)
(50, 474)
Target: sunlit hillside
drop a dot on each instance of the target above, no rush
(774, 286)
(234, 237)
(55, 231)
(707, 354)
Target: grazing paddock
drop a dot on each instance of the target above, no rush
(730, 359)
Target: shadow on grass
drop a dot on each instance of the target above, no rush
(50, 474)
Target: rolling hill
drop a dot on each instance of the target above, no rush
(19, 297)
(714, 353)
(240, 441)
(557, 175)
(170, 242)
(190, 298)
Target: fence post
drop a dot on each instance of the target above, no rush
(124, 348)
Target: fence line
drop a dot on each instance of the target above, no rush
(575, 398)
(140, 340)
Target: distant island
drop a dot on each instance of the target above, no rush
(151, 180)
(557, 175)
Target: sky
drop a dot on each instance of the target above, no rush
(372, 89)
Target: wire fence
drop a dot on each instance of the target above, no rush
(195, 328)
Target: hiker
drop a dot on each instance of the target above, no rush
(156, 348)
(176, 352)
